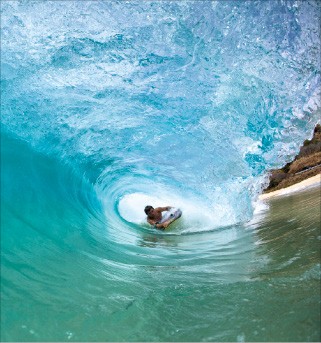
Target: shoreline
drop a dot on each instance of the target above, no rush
(300, 186)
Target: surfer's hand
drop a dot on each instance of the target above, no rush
(160, 226)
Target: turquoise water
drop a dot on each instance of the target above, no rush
(110, 106)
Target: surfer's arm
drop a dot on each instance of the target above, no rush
(168, 222)
(151, 222)
(162, 209)
(156, 224)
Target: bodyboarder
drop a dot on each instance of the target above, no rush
(159, 220)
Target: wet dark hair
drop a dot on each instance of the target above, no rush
(148, 208)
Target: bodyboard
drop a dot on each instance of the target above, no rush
(173, 213)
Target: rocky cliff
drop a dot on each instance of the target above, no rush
(306, 164)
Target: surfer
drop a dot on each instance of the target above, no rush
(155, 217)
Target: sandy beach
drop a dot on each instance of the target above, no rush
(310, 182)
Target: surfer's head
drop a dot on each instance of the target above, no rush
(148, 209)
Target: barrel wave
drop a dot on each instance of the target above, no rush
(111, 106)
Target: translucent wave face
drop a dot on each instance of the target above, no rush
(187, 95)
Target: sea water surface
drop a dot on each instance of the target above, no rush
(109, 106)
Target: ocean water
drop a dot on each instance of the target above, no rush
(108, 106)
